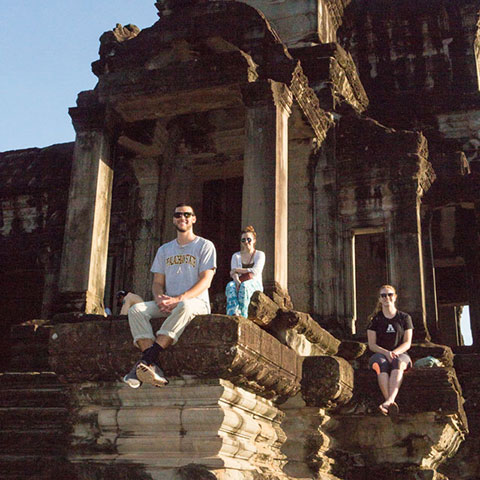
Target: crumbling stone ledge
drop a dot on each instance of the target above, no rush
(212, 346)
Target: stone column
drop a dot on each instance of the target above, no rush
(146, 242)
(265, 183)
(431, 307)
(84, 255)
(472, 267)
(406, 259)
(477, 52)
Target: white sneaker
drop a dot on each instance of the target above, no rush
(131, 378)
(151, 374)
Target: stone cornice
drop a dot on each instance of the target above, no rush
(336, 9)
(319, 119)
(330, 65)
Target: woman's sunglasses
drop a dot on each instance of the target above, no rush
(385, 295)
(248, 240)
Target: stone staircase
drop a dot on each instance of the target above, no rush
(35, 426)
(238, 407)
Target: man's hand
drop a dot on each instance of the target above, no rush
(166, 303)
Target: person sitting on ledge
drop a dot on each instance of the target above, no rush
(389, 337)
(125, 300)
(183, 271)
(247, 266)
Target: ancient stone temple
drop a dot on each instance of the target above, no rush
(348, 133)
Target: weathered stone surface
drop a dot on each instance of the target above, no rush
(35, 426)
(327, 382)
(310, 446)
(262, 309)
(223, 429)
(440, 352)
(412, 398)
(29, 347)
(212, 346)
(302, 334)
(358, 443)
(333, 76)
(351, 350)
(466, 463)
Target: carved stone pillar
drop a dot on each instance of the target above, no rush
(431, 307)
(472, 265)
(265, 184)
(147, 172)
(85, 245)
(477, 52)
(406, 258)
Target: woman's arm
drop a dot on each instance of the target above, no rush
(234, 268)
(372, 345)
(407, 342)
(259, 263)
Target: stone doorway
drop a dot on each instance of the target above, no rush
(221, 223)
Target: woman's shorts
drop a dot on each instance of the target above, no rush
(385, 366)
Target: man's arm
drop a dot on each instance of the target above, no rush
(204, 281)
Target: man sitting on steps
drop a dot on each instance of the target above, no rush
(183, 271)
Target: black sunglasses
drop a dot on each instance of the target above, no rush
(183, 214)
(385, 295)
(248, 240)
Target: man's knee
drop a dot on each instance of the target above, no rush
(185, 307)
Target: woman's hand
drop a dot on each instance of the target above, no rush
(390, 356)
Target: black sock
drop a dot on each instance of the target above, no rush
(150, 355)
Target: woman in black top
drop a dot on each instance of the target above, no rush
(389, 337)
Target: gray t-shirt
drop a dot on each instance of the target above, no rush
(182, 264)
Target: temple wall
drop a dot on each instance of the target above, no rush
(34, 187)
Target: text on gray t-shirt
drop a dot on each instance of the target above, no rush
(182, 264)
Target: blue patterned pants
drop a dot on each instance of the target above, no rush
(238, 302)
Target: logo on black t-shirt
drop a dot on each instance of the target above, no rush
(390, 328)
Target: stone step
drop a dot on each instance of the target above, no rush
(27, 418)
(39, 467)
(28, 379)
(34, 442)
(32, 398)
(33, 389)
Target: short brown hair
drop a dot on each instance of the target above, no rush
(182, 204)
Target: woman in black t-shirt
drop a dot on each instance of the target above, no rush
(389, 337)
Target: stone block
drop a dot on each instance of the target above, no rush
(224, 430)
(301, 333)
(351, 350)
(212, 346)
(445, 397)
(327, 382)
(262, 309)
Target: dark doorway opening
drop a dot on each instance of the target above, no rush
(221, 223)
(370, 253)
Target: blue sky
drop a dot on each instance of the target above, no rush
(46, 49)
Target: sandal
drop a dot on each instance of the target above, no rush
(393, 409)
